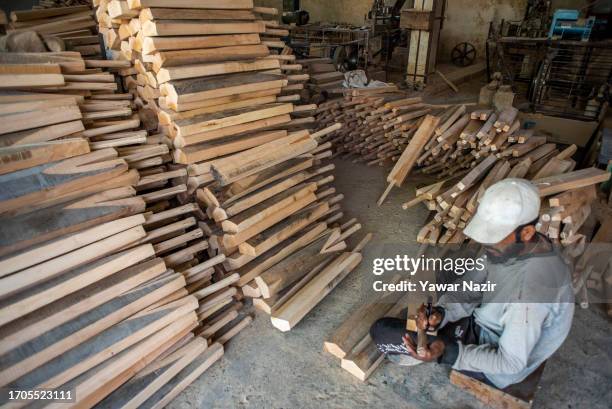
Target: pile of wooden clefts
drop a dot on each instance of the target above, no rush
(60, 28)
(221, 85)
(105, 271)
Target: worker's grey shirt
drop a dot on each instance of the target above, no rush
(522, 323)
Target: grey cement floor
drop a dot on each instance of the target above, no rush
(264, 368)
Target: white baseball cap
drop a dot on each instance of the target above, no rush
(504, 206)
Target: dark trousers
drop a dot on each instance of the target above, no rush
(387, 334)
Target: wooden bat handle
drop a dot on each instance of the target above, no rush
(421, 342)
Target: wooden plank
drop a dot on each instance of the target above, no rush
(95, 385)
(153, 44)
(66, 218)
(34, 119)
(573, 180)
(226, 146)
(490, 395)
(35, 14)
(192, 4)
(194, 14)
(42, 134)
(166, 28)
(147, 382)
(221, 101)
(68, 64)
(413, 151)
(284, 273)
(365, 357)
(26, 156)
(213, 121)
(256, 159)
(357, 326)
(233, 240)
(271, 190)
(45, 271)
(204, 70)
(199, 89)
(246, 186)
(289, 314)
(52, 180)
(177, 384)
(182, 141)
(64, 245)
(27, 81)
(129, 178)
(281, 231)
(49, 345)
(197, 56)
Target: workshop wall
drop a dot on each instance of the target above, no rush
(466, 20)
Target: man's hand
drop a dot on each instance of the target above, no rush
(432, 352)
(434, 319)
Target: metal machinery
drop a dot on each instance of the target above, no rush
(345, 44)
(562, 71)
(566, 25)
(293, 14)
(384, 22)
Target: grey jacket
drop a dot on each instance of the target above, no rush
(523, 322)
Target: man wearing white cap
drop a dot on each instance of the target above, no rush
(499, 337)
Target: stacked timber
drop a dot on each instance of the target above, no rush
(470, 152)
(45, 4)
(324, 80)
(71, 28)
(351, 341)
(222, 86)
(108, 289)
(376, 129)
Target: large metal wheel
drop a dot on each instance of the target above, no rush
(463, 54)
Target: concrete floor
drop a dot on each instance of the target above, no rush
(264, 368)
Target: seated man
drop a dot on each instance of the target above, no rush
(500, 337)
